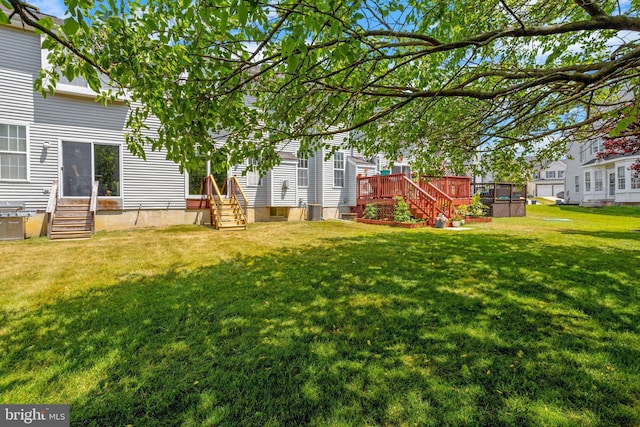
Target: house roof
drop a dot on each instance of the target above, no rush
(287, 156)
(361, 161)
(35, 12)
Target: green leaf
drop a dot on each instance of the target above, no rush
(4, 19)
(47, 22)
(70, 27)
(243, 12)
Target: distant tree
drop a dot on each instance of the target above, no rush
(446, 78)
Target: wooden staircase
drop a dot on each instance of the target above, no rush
(231, 216)
(72, 219)
(226, 211)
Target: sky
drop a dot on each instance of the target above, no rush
(50, 7)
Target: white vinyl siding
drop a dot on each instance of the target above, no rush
(283, 184)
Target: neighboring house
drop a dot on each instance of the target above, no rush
(72, 139)
(590, 181)
(548, 180)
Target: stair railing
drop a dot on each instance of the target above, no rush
(93, 205)
(51, 205)
(234, 189)
(215, 203)
(424, 201)
(444, 203)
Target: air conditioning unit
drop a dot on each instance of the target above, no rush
(314, 212)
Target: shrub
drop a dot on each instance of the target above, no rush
(401, 212)
(371, 211)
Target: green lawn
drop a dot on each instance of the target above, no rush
(523, 321)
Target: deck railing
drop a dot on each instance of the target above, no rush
(215, 200)
(51, 205)
(93, 205)
(235, 189)
(458, 188)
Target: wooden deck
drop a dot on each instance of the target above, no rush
(427, 197)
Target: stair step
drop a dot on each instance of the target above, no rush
(59, 235)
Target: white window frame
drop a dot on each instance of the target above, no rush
(598, 180)
(26, 153)
(597, 146)
(253, 176)
(187, 181)
(338, 169)
(576, 183)
(550, 175)
(303, 172)
(635, 181)
(560, 174)
(622, 178)
(587, 182)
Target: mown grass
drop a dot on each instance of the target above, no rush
(523, 321)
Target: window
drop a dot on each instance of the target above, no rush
(13, 152)
(253, 176)
(338, 169)
(597, 146)
(621, 178)
(303, 172)
(583, 154)
(587, 181)
(550, 174)
(536, 175)
(598, 183)
(196, 178)
(576, 181)
(279, 212)
(635, 181)
(107, 169)
(560, 174)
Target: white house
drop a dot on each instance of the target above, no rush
(590, 181)
(548, 179)
(72, 139)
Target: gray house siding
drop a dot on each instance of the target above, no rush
(16, 94)
(19, 50)
(285, 195)
(152, 184)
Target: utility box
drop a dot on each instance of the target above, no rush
(314, 212)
